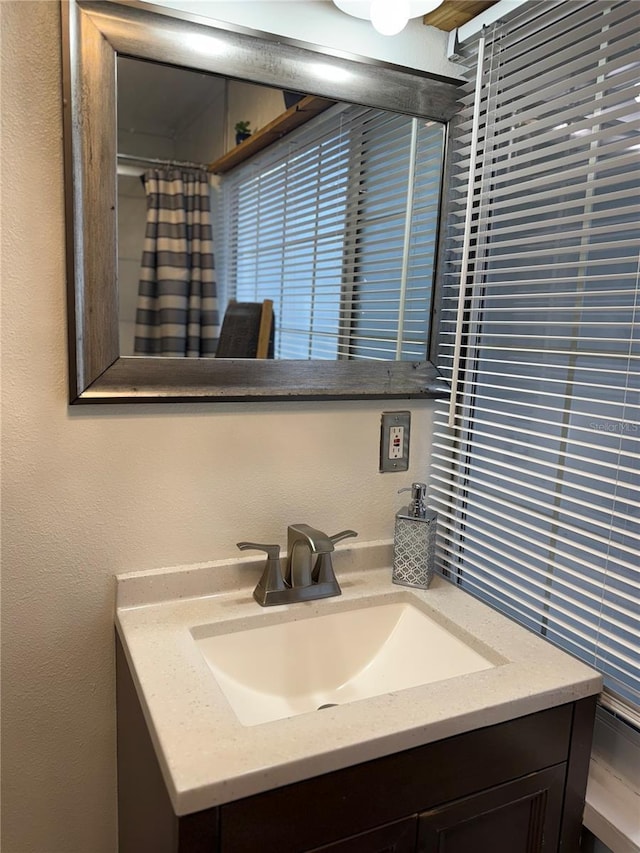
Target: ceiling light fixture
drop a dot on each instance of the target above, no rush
(389, 17)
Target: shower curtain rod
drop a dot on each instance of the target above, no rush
(149, 161)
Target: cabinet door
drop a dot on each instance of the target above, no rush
(519, 817)
(396, 837)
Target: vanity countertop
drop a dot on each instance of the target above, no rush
(208, 757)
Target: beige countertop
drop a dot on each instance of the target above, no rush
(208, 757)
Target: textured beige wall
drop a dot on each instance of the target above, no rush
(92, 491)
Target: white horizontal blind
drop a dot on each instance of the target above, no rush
(538, 482)
(337, 224)
(394, 203)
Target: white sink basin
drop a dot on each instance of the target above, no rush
(289, 668)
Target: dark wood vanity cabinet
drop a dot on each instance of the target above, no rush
(520, 817)
(515, 787)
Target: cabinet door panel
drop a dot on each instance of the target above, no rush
(397, 837)
(520, 817)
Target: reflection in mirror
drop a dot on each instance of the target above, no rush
(329, 211)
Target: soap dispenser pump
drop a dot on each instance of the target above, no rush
(414, 542)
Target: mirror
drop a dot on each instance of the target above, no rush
(102, 41)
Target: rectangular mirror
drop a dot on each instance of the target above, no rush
(327, 213)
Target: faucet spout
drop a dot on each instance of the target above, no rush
(303, 541)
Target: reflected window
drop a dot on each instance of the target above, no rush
(337, 224)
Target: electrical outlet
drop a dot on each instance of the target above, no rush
(394, 441)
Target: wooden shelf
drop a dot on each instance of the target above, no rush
(454, 13)
(298, 114)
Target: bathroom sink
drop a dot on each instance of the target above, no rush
(294, 667)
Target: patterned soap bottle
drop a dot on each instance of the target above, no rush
(414, 541)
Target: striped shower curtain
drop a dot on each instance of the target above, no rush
(177, 312)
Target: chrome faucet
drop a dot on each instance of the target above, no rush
(302, 580)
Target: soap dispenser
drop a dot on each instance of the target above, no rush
(414, 541)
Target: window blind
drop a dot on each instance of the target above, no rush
(537, 480)
(337, 224)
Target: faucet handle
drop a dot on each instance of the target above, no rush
(272, 579)
(323, 569)
(272, 551)
(344, 534)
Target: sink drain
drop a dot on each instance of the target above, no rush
(328, 705)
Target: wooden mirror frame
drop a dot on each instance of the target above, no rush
(94, 33)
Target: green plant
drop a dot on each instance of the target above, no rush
(242, 127)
